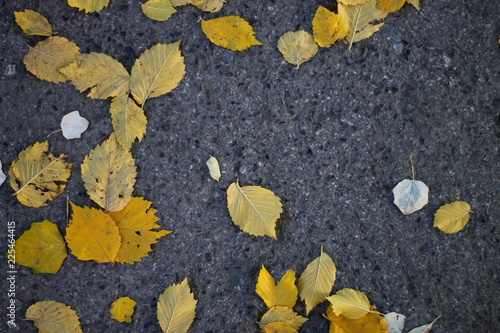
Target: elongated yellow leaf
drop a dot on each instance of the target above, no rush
(157, 71)
(353, 2)
(176, 308)
(33, 23)
(414, 3)
(390, 6)
(410, 195)
(52, 316)
(213, 168)
(159, 10)
(350, 303)
(49, 56)
(231, 32)
(122, 309)
(373, 322)
(297, 47)
(254, 209)
(211, 6)
(89, 6)
(38, 177)
(41, 248)
(129, 121)
(452, 217)
(108, 173)
(317, 281)
(284, 315)
(328, 27)
(285, 293)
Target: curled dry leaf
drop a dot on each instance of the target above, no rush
(395, 322)
(213, 168)
(231, 32)
(89, 6)
(410, 195)
(390, 6)
(52, 316)
(452, 217)
(158, 10)
(129, 120)
(350, 303)
(176, 308)
(73, 125)
(297, 47)
(122, 309)
(328, 27)
(424, 328)
(33, 23)
(282, 314)
(285, 293)
(2, 174)
(372, 322)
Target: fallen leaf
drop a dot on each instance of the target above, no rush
(2, 174)
(328, 27)
(49, 56)
(52, 316)
(159, 10)
(231, 32)
(254, 209)
(122, 309)
(129, 121)
(33, 23)
(297, 47)
(353, 2)
(395, 322)
(350, 303)
(373, 322)
(410, 195)
(211, 6)
(213, 168)
(177, 3)
(390, 6)
(73, 125)
(424, 328)
(176, 308)
(285, 293)
(89, 6)
(38, 177)
(282, 314)
(279, 327)
(414, 3)
(452, 217)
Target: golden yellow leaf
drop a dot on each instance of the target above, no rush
(328, 27)
(103, 75)
(414, 3)
(334, 328)
(159, 10)
(231, 32)
(254, 209)
(38, 177)
(282, 314)
(297, 47)
(373, 322)
(213, 168)
(353, 2)
(157, 71)
(89, 6)
(177, 3)
(108, 174)
(135, 224)
(285, 293)
(452, 217)
(52, 316)
(176, 308)
(49, 56)
(390, 6)
(317, 281)
(211, 6)
(122, 309)
(279, 327)
(33, 23)
(129, 121)
(93, 235)
(350, 303)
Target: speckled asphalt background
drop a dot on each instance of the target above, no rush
(331, 139)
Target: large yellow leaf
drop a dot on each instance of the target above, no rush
(93, 235)
(108, 173)
(390, 6)
(122, 309)
(282, 314)
(157, 71)
(49, 56)
(297, 47)
(358, 20)
(350, 303)
(317, 281)
(231, 32)
(129, 121)
(159, 10)
(135, 223)
(285, 293)
(38, 177)
(41, 248)
(176, 308)
(328, 27)
(33, 23)
(211, 6)
(52, 316)
(452, 217)
(89, 6)
(254, 209)
(373, 322)
(105, 76)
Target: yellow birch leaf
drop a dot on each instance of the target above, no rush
(129, 121)
(353, 2)
(297, 47)
(282, 314)
(279, 327)
(350, 303)
(317, 281)
(390, 6)
(41, 248)
(49, 56)
(213, 168)
(157, 71)
(135, 223)
(158, 10)
(231, 32)
(452, 217)
(178, 3)
(33, 23)
(334, 328)
(103, 75)
(89, 6)
(38, 177)
(93, 235)
(122, 309)
(108, 174)
(176, 308)
(328, 27)
(373, 322)
(414, 3)
(52, 316)
(285, 293)
(211, 6)
(254, 209)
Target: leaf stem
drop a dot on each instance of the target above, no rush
(412, 168)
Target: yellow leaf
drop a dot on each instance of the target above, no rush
(176, 308)
(157, 71)
(334, 328)
(285, 293)
(282, 314)
(328, 27)
(33, 23)
(414, 3)
(135, 223)
(452, 217)
(390, 6)
(93, 235)
(108, 173)
(254, 209)
(297, 47)
(353, 2)
(350, 303)
(358, 20)
(231, 32)
(211, 6)
(49, 56)
(159, 10)
(52, 316)
(213, 168)
(38, 177)
(373, 322)
(89, 6)
(177, 3)
(129, 121)
(279, 327)
(317, 281)
(41, 248)
(122, 309)
(105, 76)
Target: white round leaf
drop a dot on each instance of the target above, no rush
(410, 195)
(73, 125)
(395, 321)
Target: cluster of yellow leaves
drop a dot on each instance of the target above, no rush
(176, 308)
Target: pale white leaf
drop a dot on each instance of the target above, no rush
(395, 321)
(410, 195)
(73, 125)
(213, 168)
(2, 175)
